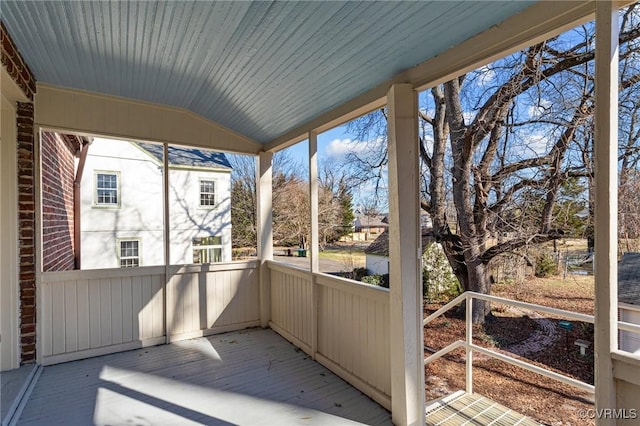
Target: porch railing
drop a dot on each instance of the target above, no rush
(96, 312)
(341, 323)
(470, 347)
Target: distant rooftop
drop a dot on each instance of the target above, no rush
(190, 157)
(629, 279)
(364, 221)
(380, 246)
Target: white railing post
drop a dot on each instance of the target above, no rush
(468, 343)
(606, 205)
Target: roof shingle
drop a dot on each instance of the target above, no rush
(191, 157)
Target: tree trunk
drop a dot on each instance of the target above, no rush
(473, 276)
(479, 282)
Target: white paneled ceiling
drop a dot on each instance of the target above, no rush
(260, 68)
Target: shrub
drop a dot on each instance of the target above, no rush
(377, 280)
(355, 274)
(438, 279)
(546, 265)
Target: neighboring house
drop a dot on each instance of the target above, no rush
(629, 299)
(371, 224)
(377, 253)
(122, 205)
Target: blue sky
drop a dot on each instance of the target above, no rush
(334, 144)
(300, 151)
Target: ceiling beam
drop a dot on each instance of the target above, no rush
(10, 89)
(96, 114)
(541, 21)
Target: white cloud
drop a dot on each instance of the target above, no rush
(486, 76)
(536, 111)
(534, 144)
(339, 148)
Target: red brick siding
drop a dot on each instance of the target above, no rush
(57, 203)
(26, 231)
(19, 71)
(15, 65)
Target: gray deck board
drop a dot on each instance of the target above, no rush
(252, 377)
(12, 385)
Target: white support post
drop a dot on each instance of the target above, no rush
(313, 200)
(166, 303)
(313, 240)
(265, 232)
(407, 343)
(606, 205)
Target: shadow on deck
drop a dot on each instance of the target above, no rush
(246, 377)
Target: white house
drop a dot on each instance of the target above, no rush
(122, 210)
(377, 253)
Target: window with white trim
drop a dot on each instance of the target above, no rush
(207, 249)
(129, 253)
(207, 193)
(107, 188)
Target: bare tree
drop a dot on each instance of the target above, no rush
(291, 212)
(495, 140)
(243, 193)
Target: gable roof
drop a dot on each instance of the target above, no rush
(629, 279)
(379, 221)
(188, 157)
(380, 246)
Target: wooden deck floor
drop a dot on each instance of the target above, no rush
(251, 377)
(13, 384)
(462, 408)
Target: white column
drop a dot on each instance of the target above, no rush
(313, 243)
(606, 204)
(407, 356)
(313, 199)
(265, 232)
(166, 225)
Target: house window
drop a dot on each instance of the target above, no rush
(129, 253)
(207, 193)
(207, 249)
(107, 189)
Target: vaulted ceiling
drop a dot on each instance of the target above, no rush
(259, 68)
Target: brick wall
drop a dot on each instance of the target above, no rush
(19, 71)
(57, 201)
(26, 231)
(15, 64)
